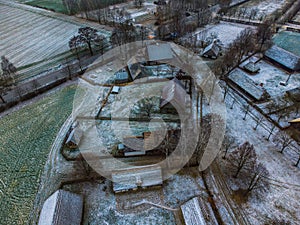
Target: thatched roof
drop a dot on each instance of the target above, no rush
(62, 208)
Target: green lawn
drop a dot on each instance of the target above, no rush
(289, 41)
(25, 140)
(55, 5)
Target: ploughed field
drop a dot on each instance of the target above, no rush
(26, 137)
(27, 37)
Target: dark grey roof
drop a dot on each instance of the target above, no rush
(122, 75)
(241, 78)
(159, 52)
(144, 176)
(283, 57)
(62, 208)
(251, 67)
(174, 93)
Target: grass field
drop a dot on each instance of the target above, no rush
(25, 140)
(289, 41)
(54, 5)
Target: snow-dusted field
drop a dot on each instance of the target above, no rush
(263, 7)
(227, 32)
(27, 37)
(282, 200)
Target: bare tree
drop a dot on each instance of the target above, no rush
(8, 72)
(88, 36)
(228, 143)
(243, 157)
(145, 107)
(246, 110)
(283, 140)
(74, 45)
(258, 121)
(264, 35)
(258, 178)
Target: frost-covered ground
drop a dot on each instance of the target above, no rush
(104, 207)
(226, 32)
(270, 76)
(282, 200)
(263, 7)
(27, 37)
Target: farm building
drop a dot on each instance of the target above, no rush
(211, 51)
(122, 77)
(132, 179)
(159, 52)
(115, 90)
(196, 212)
(283, 57)
(62, 208)
(74, 138)
(245, 84)
(173, 95)
(251, 67)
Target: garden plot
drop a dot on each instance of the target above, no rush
(26, 137)
(270, 77)
(112, 132)
(226, 32)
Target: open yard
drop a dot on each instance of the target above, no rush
(102, 206)
(270, 77)
(226, 32)
(26, 137)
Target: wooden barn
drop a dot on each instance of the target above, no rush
(173, 94)
(62, 208)
(136, 177)
(212, 51)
